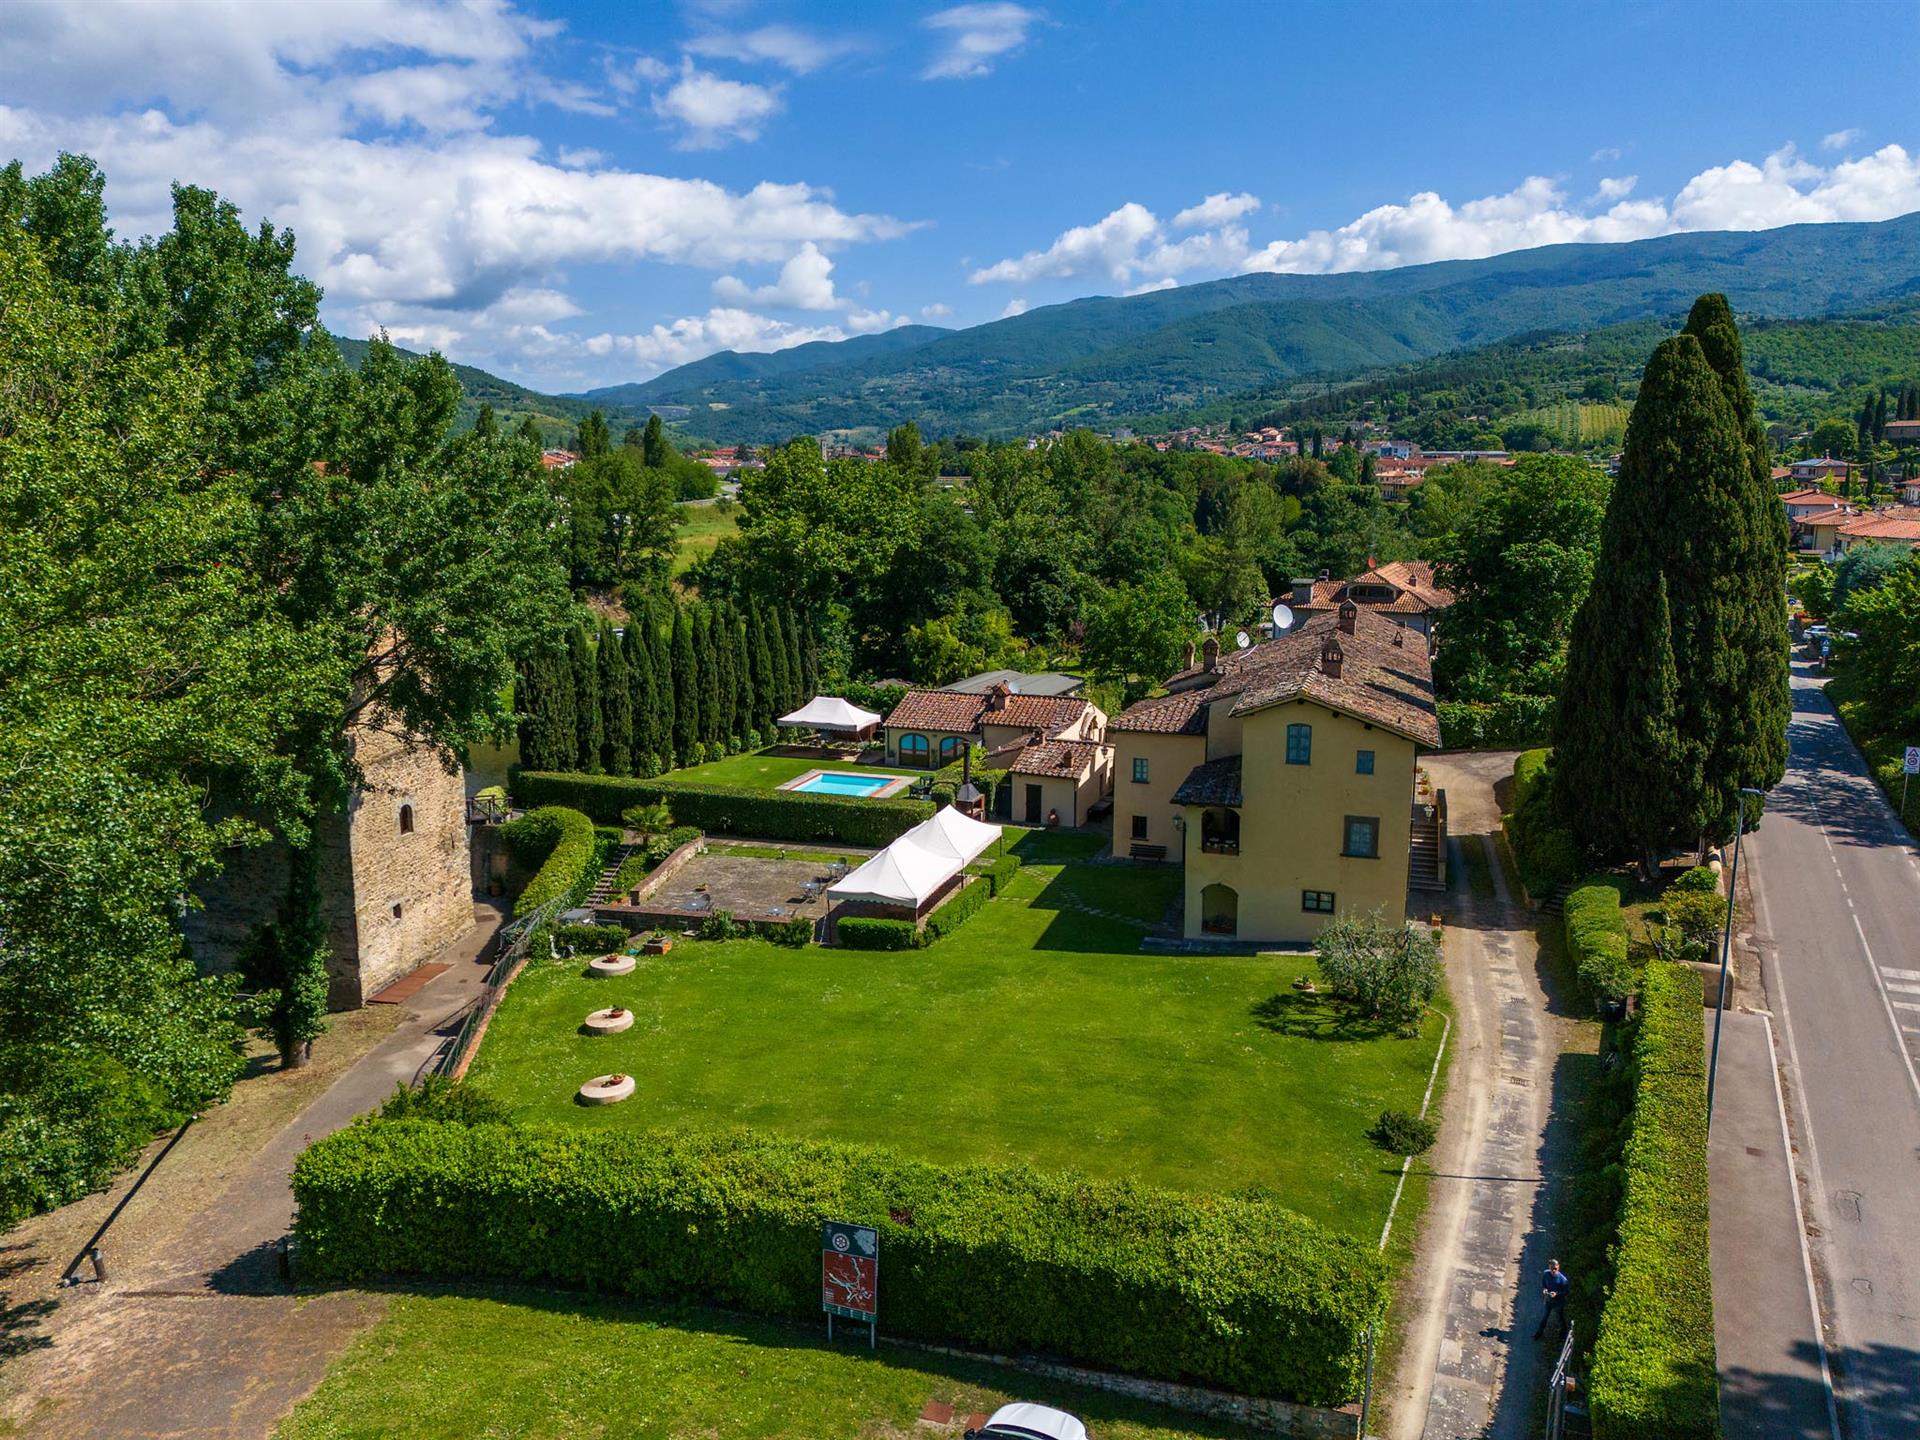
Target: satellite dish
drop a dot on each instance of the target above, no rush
(1282, 618)
(1241, 640)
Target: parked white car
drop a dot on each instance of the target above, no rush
(1031, 1422)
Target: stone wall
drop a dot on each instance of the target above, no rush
(409, 875)
(393, 892)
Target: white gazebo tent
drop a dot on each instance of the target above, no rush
(903, 875)
(951, 833)
(830, 715)
(918, 866)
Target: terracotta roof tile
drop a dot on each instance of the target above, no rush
(1178, 714)
(1217, 782)
(937, 710)
(1061, 759)
(1049, 713)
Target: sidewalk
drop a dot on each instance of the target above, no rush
(200, 1337)
(1771, 1380)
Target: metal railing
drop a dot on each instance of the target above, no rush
(1560, 1392)
(511, 946)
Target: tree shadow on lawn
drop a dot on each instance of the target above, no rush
(20, 1320)
(1317, 1015)
(1098, 1408)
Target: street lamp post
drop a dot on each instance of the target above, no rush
(1726, 943)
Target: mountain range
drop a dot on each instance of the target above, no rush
(1108, 361)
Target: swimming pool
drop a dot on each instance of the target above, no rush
(843, 782)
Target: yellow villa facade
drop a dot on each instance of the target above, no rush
(1282, 777)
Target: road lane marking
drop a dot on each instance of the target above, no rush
(1904, 1005)
(1900, 989)
(1893, 974)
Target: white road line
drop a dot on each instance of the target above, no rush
(1800, 1229)
(1904, 1005)
(1900, 989)
(1425, 1100)
(1893, 974)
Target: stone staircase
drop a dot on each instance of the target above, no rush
(603, 887)
(1423, 852)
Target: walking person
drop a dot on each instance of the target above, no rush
(1554, 1286)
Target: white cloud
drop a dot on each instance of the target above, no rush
(1605, 155)
(1165, 282)
(1216, 210)
(805, 283)
(1840, 139)
(1014, 307)
(1108, 246)
(1783, 189)
(935, 311)
(976, 35)
(583, 157)
(714, 110)
(723, 328)
(800, 51)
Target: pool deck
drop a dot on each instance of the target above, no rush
(892, 784)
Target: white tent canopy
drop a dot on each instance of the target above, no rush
(912, 869)
(953, 834)
(901, 874)
(830, 712)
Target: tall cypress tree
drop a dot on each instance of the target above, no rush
(747, 705)
(588, 729)
(796, 661)
(783, 678)
(726, 656)
(760, 663)
(809, 661)
(562, 726)
(646, 745)
(686, 689)
(708, 670)
(1748, 743)
(616, 704)
(660, 648)
(1647, 706)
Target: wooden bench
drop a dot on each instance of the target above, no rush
(1138, 851)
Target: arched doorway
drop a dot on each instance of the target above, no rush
(1220, 910)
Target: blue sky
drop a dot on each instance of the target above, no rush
(580, 194)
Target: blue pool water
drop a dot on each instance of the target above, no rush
(834, 782)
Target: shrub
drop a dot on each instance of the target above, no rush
(439, 1097)
(566, 837)
(1225, 1290)
(1512, 719)
(793, 933)
(1388, 969)
(1597, 940)
(1693, 920)
(1543, 848)
(1402, 1133)
(597, 938)
(731, 809)
(1653, 1372)
(720, 926)
(1699, 880)
(68, 1120)
(997, 872)
(958, 909)
(862, 932)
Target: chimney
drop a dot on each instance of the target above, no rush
(1186, 656)
(997, 696)
(1370, 563)
(1349, 616)
(1210, 652)
(1399, 637)
(1332, 657)
(1303, 591)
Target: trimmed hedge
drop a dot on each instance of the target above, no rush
(596, 938)
(1501, 724)
(997, 872)
(868, 932)
(1597, 939)
(567, 840)
(1653, 1374)
(956, 912)
(1543, 848)
(1225, 1290)
(731, 809)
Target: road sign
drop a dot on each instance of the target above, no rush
(850, 1273)
(1913, 760)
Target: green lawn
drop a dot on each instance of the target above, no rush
(575, 1367)
(701, 528)
(757, 767)
(1036, 1033)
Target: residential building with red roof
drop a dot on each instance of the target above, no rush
(1404, 589)
(1282, 777)
(1052, 746)
(1896, 526)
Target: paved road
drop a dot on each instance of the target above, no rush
(1837, 909)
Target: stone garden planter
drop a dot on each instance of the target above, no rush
(606, 1090)
(611, 965)
(610, 1021)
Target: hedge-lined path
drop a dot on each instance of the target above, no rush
(1468, 1365)
(194, 1334)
